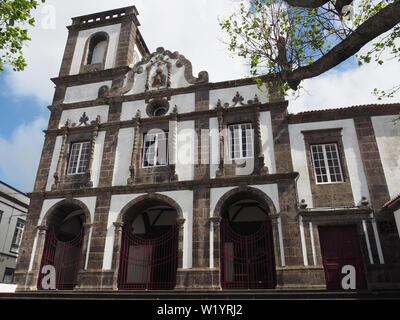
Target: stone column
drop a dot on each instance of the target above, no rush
(258, 154)
(118, 226)
(220, 171)
(38, 255)
(135, 151)
(58, 173)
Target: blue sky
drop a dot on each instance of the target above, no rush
(192, 29)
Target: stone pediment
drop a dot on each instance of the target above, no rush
(162, 70)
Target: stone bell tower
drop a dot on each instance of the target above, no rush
(98, 42)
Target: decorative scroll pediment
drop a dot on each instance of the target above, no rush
(160, 70)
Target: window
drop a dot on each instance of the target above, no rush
(8, 275)
(97, 48)
(241, 141)
(79, 158)
(1, 215)
(325, 158)
(155, 150)
(19, 228)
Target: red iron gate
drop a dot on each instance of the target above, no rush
(148, 264)
(65, 257)
(247, 260)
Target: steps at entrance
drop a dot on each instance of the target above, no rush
(200, 295)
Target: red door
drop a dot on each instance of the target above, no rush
(340, 246)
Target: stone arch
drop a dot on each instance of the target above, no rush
(141, 200)
(47, 217)
(230, 197)
(44, 227)
(90, 44)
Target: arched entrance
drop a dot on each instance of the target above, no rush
(63, 245)
(149, 247)
(247, 252)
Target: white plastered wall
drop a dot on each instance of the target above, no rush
(92, 112)
(123, 156)
(86, 92)
(183, 198)
(388, 139)
(352, 157)
(186, 144)
(113, 31)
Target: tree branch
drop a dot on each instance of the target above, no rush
(378, 24)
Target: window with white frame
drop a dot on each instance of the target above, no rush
(326, 162)
(241, 144)
(79, 158)
(155, 150)
(19, 228)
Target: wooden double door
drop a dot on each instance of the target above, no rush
(340, 246)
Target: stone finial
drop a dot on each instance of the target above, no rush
(84, 119)
(68, 123)
(175, 110)
(303, 204)
(219, 103)
(256, 99)
(238, 99)
(364, 202)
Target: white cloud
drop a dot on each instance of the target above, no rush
(21, 154)
(338, 89)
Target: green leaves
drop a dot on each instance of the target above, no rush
(279, 40)
(14, 15)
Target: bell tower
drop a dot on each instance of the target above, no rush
(103, 40)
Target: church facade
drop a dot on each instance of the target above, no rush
(154, 179)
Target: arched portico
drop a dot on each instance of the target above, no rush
(63, 242)
(246, 239)
(148, 239)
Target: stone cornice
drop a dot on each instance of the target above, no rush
(282, 105)
(345, 113)
(179, 185)
(90, 77)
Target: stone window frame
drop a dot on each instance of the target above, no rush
(63, 180)
(155, 174)
(328, 136)
(85, 67)
(230, 116)
(229, 145)
(142, 151)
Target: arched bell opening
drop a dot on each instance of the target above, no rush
(63, 245)
(149, 247)
(247, 251)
